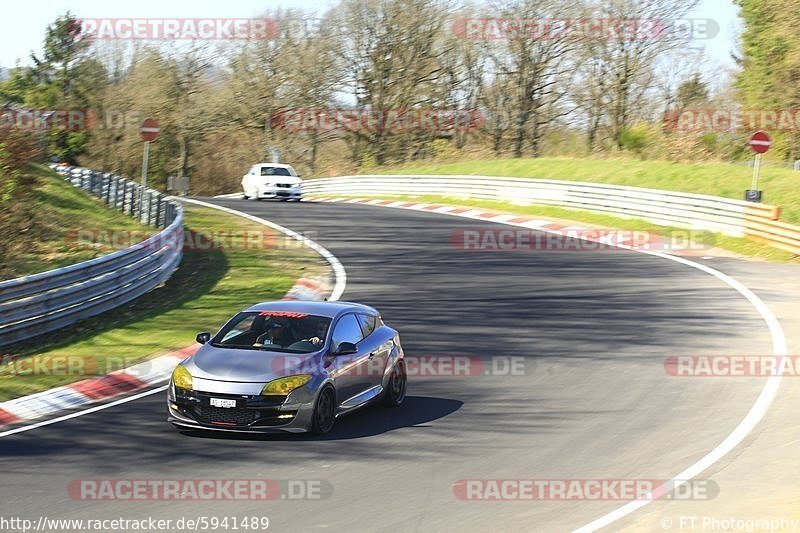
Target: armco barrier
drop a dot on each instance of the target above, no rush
(667, 208)
(45, 302)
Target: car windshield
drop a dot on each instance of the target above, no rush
(275, 171)
(277, 331)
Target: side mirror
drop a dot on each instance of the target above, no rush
(203, 337)
(345, 348)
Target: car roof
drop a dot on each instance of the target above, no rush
(327, 309)
(277, 165)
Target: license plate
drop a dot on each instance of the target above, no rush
(219, 402)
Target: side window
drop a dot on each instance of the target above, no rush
(267, 171)
(368, 324)
(347, 330)
(252, 170)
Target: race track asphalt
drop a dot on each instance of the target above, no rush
(593, 400)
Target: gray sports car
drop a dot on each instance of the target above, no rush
(288, 366)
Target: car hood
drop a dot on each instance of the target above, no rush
(246, 366)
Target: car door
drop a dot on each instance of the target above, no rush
(349, 371)
(378, 347)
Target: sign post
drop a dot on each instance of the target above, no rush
(149, 132)
(759, 143)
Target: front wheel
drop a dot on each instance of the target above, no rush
(398, 383)
(324, 411)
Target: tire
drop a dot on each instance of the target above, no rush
(245, 197)
(397, 386)
(324, 416)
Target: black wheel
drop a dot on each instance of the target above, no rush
(324, 411)
(398, 383)
(245, 197)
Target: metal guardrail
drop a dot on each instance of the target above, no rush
(667, 208)
(45, 302)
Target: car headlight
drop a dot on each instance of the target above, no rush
(284, 386)
(181, 378)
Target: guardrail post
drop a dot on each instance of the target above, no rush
(107, 179)
(115, 180)
(158, 211)
(149, 207)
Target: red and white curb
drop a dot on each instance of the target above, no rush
(582, 232)
(92, 390)
(316, 288)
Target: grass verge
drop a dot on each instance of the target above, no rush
(59, 212)
(207, 289)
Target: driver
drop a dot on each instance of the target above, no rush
(319, 339)
(276, 334)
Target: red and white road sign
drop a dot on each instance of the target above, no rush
(760, 142)
(149, 129)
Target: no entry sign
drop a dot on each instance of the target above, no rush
(149, 130)
(760, 142)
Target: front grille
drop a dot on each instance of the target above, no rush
(283, 185)
(240, 417)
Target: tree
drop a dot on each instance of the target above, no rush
(770, 61)
(391, 61)
(535, 67)
(64, 77)
(622, 62)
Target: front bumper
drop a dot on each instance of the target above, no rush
(252, 414)
(291, 192)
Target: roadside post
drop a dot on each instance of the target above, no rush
(759, 143)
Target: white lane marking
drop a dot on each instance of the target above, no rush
(338, 290)
(231, 195)
(336, 265)
(81, 413)
(748, 423)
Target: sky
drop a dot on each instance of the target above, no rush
(29, 18)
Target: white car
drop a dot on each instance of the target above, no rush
(271, 180)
